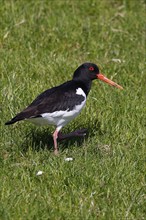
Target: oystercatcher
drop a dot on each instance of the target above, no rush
(60, 104)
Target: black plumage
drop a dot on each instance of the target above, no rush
(59, 98)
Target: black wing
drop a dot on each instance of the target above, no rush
(58, 98)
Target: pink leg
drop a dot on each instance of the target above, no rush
(55, 136)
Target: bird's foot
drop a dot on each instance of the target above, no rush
(77, 133)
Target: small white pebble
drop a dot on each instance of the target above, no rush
(116, 60)
(39, 173)
(68, 159)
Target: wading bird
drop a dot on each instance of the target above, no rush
(59, 105)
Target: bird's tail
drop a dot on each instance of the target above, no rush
(10, 122)
(18, 117)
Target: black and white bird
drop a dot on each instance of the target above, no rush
(59, 105)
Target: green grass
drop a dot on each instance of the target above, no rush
(41, 44)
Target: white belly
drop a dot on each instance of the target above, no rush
(58, 118)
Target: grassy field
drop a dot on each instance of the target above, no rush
(41, 44)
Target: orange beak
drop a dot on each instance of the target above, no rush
(110, 82)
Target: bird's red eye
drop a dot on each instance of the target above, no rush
(91, 68)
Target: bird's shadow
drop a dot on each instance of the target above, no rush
(40, 139)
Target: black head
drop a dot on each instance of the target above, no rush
(87, 71)
(90, 71)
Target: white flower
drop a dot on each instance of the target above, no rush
(68, 159)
